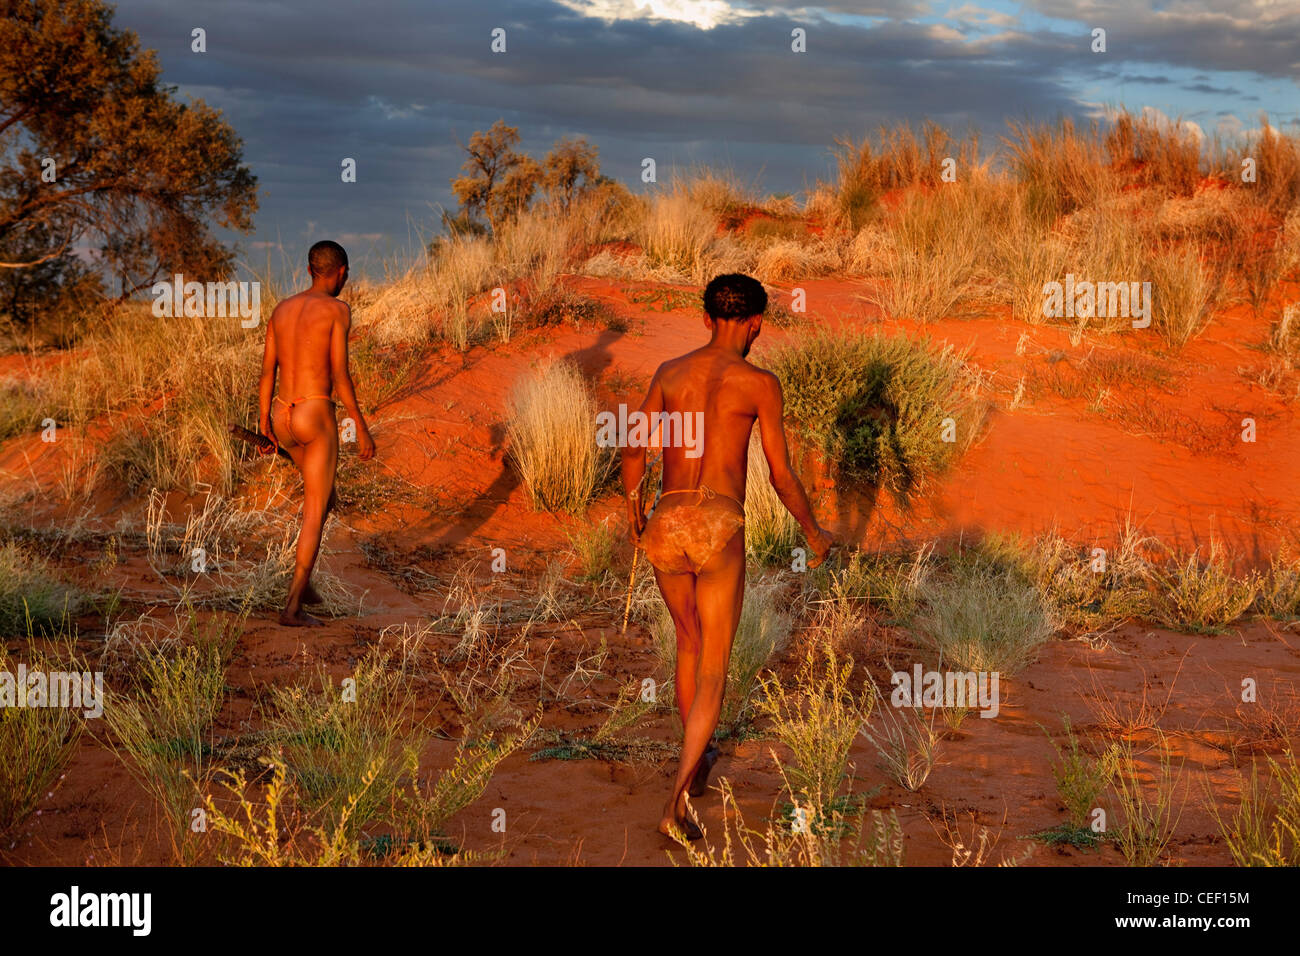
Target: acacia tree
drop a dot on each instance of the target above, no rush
(568, 162)
(499, 181)
(97, 155)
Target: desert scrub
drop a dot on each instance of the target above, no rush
(594, 546)
(1265, 829)
(275, 832)
(30, 597)
(677, 231)
(889, 582)
(1090, 589)
(162, 727)
(771, 533)
(1148, 815)
(1060, 168)
(551, 428)
(1081, 778)
(906, 743)
(929, 258)
(334, 737)
(1183, 294)
(1279, 589)
(1202, 596)
(888, 410)
(817, 717)
(21, 409)
(980, 617)
(131, 362)
(35, 744)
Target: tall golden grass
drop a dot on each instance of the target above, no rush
(550, 427)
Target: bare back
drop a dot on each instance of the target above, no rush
(304, 326)
(729, 392)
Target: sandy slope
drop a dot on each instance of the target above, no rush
(1180, 472)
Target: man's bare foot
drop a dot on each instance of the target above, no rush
(309, 595)
(685, 827)
(298, 619)
(700, 782)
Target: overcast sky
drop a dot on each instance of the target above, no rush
(395, 85)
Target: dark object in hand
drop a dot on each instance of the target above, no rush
(264, 445)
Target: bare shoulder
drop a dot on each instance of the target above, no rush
(668, 370)
(672, 364)
(342, 313)
(762, 382)
(323, 307)
(286, 305)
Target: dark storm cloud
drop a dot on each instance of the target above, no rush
(1259, 36)
(1213, 90)
(395, 85)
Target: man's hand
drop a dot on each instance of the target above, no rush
(264, 428)
(365, 444)
(821, 543)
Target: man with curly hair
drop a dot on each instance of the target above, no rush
(695, 538)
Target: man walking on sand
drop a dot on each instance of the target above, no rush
(307, 341)
(695, 539)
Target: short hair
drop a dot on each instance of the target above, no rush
(734, 296)
(325, 256)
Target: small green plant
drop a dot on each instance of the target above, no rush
(334, 736)
(1081, 779)
(1265, 829)
(30, 597)
(906, 743)
(594, 546)
(818, 718)
(422, 811)
(980, 617)
(36, 743)
(162, 731)
(1148, 816)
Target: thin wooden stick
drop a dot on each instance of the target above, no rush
(631, 579)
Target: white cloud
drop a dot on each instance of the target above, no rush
(1162, 121)
(705, 14)
(979, 16)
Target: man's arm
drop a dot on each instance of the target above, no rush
(343, 382)
(771, 420)
(266, 387)
(634, 464)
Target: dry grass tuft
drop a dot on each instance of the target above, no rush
(551, 430)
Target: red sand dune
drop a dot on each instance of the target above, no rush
(1182, 475)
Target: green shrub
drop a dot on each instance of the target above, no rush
(881, 408)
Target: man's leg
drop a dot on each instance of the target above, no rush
(678, 592)
(318, 461)
(719, 591)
